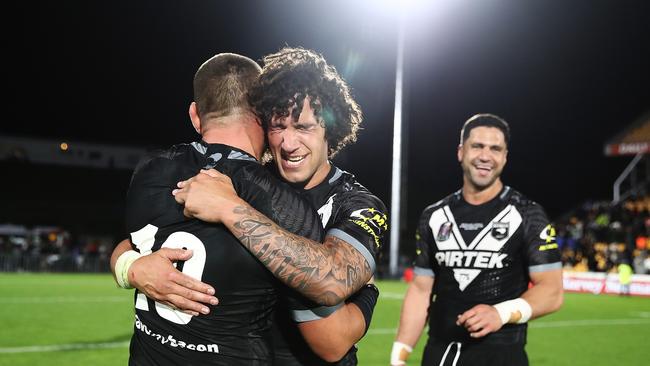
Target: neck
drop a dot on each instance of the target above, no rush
(244, 134)
(476, 196)
(319, 176)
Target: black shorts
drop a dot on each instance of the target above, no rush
(472, 354)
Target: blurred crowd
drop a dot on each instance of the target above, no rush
(51, 249)
(599, 236)
(596, 237)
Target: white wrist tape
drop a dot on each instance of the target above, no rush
(122, 266)
(514, 311)
(400, 353)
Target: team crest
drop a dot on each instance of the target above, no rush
(500, 230)
(445, 231)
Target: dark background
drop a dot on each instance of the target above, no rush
(566, 75)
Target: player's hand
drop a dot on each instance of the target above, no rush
(480, 320)
(206, 196)
(156, 277)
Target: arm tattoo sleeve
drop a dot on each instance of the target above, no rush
(326, 273)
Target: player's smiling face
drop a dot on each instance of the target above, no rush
(483, 156)
(299, 147)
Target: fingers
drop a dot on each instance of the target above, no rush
(175, 254)
(479, 321)
(181, 298)
(469, 322)
(159, 279)
(474, 324)
(215, 174)
(180, 196)
(211, 172)
(186, 305)
(181, 185)
(482, 333)
(462, 318)
(482, 328)
(198, 290)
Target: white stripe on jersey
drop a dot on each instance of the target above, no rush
(454, 252)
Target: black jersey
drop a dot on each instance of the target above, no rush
(350, 212)
(237, 331)
(481, 255)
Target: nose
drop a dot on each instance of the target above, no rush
(290, 141)
(485, 154)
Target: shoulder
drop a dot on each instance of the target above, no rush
(163, 163)
(522, 202)
(446, 201)
(354, 193)
(254, 173)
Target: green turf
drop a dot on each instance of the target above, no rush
(89, 311)
(588, 330)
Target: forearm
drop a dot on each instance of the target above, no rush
(326, 273)
(546, 294)
(331, 337)
(414, 315)
(412, 319)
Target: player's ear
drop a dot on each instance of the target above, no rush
(459, 153)
(194, 117)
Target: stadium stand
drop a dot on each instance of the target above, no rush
(598, 236)
(51, 249)
(601, 239)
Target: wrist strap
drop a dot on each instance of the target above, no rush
(400, 353)
(516, 311)
(366, 299)
(122, 266)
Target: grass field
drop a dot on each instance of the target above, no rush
(73, 319)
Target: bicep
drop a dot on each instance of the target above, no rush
(422, 284)
(352, 252)
(551, 278)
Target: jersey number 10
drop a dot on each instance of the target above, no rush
(144, 240)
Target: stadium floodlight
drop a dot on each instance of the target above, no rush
(403, 9)
(396, 174)
(403, 12)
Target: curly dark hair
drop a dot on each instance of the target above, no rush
(290, 75)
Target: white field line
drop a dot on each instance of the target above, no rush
(63, 347)
(553, 324)
(380, 331)
(587, 323)
(61, 299)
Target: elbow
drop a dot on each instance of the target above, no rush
(559, 301)
(328, 296)
(331, 301)
(332, 354)
(554, 302)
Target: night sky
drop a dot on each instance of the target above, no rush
(566, 75)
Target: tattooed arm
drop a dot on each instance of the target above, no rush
(326, 273)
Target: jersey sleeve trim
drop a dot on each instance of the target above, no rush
(301, 316)
(419, 271)
(356, 244)
(545, 267)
